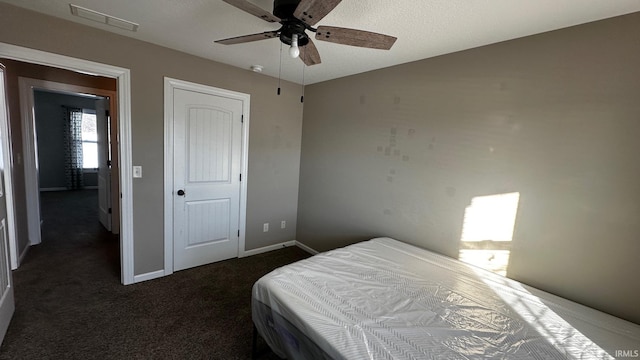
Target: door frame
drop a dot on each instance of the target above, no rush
(123, 78)
(30, 145)
(5, 131)
(169, 86)
(7, 299)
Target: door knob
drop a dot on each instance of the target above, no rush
(181, 192)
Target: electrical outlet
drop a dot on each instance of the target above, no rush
(265, 227)
(283, 224)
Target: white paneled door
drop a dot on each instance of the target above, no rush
(207, 146)
(7, 305)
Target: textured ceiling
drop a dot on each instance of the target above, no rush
(424, 28)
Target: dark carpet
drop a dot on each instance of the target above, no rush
(70, 303)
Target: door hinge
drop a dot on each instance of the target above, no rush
(238, 233)
(240, 177)
(109, 210)
(106, 113)
(108, 162)
(242, 118)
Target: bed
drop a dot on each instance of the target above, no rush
(384, 299)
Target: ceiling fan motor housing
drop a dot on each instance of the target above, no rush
(284, 9)
(289, 29)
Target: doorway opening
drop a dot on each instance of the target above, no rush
(74, 169)
(25, 185)
(74, 149)
(57, 131)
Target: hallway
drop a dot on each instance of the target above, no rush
(75, 250)
(73, 242)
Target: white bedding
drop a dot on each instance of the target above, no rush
(383, 299)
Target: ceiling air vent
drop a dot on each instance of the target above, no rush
(102, 18)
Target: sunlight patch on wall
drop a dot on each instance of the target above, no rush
(487, 231)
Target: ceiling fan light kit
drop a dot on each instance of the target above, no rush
(298, 16)
(294, 50)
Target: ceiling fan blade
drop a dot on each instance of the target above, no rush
(309, 54)
(355, 37)
(248, 38)
(253, 10)
(312, 11)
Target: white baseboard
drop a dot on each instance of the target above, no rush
(22, 255)
(160, 273)
(268, 248)
(65, 189)
(279, 246)
(306, 248)
(53, 189)
(148, 276)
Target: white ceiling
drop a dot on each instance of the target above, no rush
(424, 28)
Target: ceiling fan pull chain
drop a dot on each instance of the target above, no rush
(280, 70)
(303, 68)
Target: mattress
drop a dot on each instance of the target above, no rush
(384, 299)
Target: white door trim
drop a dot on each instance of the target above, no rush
(29, 156)
(123, 78)
(169, 85)
(5, 131)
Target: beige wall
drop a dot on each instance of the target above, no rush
(401, 152)
(275, 131)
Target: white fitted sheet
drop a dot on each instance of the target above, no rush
(384, 299)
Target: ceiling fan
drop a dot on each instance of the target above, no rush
(298, 16)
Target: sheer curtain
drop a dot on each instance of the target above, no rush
(73, 147)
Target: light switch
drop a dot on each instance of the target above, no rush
(137, 171)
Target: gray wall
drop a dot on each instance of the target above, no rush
(275, 133)
(50, 136)
(401, 152)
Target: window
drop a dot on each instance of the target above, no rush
(89, 140)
